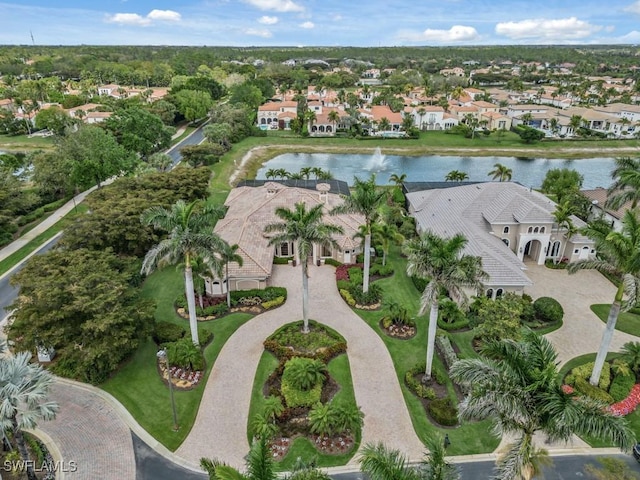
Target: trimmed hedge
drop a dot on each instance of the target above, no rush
(548, 309)
(450, 327)
(621, 386)
(281, 260)
(295, 397)
(269, 293)
(276, 302)
(348, 297)
(443, 412)
(166, 332)
(332, 261)
(378, 269)
(584, 372)
(584, 387)
(416, 386)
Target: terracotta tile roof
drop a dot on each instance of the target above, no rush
(599, 197)
(251, 208)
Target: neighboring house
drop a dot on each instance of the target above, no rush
(427, 117)
(599, 197)
(274, 115)
(506, 224)
(452, 72)
(251, 206)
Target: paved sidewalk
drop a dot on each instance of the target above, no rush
(220, 429)
(582, 330)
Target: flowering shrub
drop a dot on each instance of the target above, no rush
(568, 389)
(628, 405)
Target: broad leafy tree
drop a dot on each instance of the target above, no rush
(365, 199)
(190, 229)
(83, 304)
(619, 256)
(304, 227)
(139, 131)
(517, 386)
(24, 387)
(93, 155)
(193, 104)
(448, 269)
(562, 182)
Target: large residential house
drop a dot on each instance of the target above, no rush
(274, 115)
(431, 117)
(506, 224)
(599, 197)
(252, 205)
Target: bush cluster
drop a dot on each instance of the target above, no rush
(167, 332)
(584, 372)
(269, 293)
(443, 411)
(347, 297)
(276, 302)
(417, 387)
(548, 309)
(585, 388)
(383, 271)
(443, 344)
(621, 386)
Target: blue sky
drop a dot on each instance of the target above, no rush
(319, 22)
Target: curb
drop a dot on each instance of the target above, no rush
(38, 248)
(53, 450)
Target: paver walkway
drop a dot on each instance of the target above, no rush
(91, 433)
(220, 429)
(582, 330)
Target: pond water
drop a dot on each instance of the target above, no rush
(434, 168)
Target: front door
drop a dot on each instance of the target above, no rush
(584, 253)
(347, 256)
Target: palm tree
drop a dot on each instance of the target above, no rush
(305, 228)
(626, 185)
(365, 199)
(421, 111)
(333, 116)
(23, 398)
(385, 235)
(271, 173)
(229, 254)
(518, 386)
(631, 354)
(190, 227)
(456, 176)
(618, 255)
(384, 124)
(398, 180)
(501, 173)
(306, 172)
(441, 261)
(562, 216)
(407, 123)
(381, 463)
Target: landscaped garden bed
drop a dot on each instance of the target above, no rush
(301, 400)
(254, 302)
(349, 278)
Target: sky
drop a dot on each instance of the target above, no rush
(319, 22)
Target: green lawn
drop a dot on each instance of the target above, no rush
(627, 322)
(137, 385)
(467, 439)
(302, 448)
(19, 143)
(17, 256)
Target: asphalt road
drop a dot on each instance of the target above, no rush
(8, 293)
(150, 465)
(194, 139)
(564, 468)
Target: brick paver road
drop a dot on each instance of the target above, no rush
(220, 430)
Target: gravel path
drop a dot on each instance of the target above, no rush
(220, 430)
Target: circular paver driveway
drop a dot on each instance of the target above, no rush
(220, 430)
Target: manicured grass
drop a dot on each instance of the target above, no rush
(23, 142)
(19, 255)
(627, 322)
(302, 448)
(469, 438)
(137, 385)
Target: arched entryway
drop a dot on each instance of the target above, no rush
(532, 250)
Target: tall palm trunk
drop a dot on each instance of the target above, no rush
(431, 338)
(614, 311)
(367, 260)
(228, 289)
(305, 296)
(22, 448)
(191, 302)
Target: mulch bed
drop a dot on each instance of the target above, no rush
(401, 332)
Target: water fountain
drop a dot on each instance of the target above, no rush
(378, 162)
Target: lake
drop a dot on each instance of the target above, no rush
(527, 171)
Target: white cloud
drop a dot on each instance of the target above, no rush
(128, 19)
(276, 5)
(546, 29)
(164, 15)
(153, 15)
(258, 32)
(457, 33)
(307, 25)
(267, 20)
(633, 8)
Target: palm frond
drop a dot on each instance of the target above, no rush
(381, 463)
